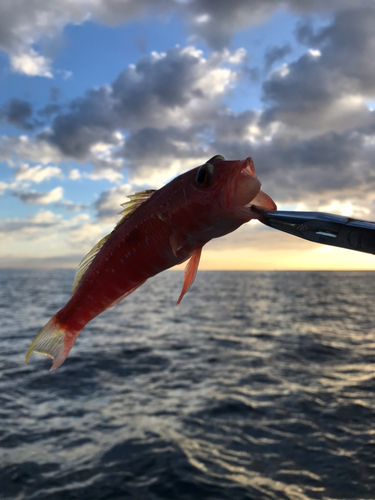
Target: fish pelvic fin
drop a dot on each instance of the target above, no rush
(52, 341)
(190, 273)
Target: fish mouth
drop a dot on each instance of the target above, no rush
(249, 192)
(262, 201)
(249, 168)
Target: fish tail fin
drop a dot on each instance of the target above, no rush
(53, 341)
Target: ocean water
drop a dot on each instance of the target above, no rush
(260, 385)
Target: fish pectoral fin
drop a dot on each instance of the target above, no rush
(177, 241)
(190, 273)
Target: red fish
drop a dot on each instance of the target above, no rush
(158, 230)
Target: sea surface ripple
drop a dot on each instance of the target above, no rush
(260, 385)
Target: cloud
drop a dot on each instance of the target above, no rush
(327, 91)
(24, 24)
(35, 198)
(108, 205)
(179, 86)
(18, 112)
(75, 174)
(3, 187)
(36, 174)
(312, 171)
(31, 149)
(42, 220)
(54, 239)
(30, 63)
(166, 113)
(274, 54)
(66, 74)
(234, 127)
(54, 93)
(153, 143)
(216, 21)
(49, 110)
(100, 172)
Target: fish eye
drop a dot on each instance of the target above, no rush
(204, 175)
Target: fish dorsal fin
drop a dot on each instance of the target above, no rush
(86, 261)
(136, 200)
(190, 273)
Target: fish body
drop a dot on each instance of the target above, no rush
(159, 230)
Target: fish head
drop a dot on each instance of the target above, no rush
(233, 187)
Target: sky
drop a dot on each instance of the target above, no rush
(103, 98)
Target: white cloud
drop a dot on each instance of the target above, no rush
(155, 173)
(31, 149)
(31, 64)
(282, 71)
(45, 217)
(3, 187)
(347, 208)
(36, 174)
(36, 198)
(48, 235)
(66, 74)
(238, 56)
(203, 18)
(109, 174)
(315, 53)
(74, 174)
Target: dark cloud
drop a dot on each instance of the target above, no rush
(168, 81)
(274, 54)
(215, 21)
(54, 93)
(18, 113)
(72, 207)
(292, 168)
(89, 121)
(231, 126)
(339, 66)
(49, 110)
(158, 91)
(299, 88)
(108, 205)
(311, 139)
(18, 225)
(252, 73)
(155, 143)
(36, 198)
(157, 94)
(347, 46)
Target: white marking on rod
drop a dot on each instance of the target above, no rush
(321, 233)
